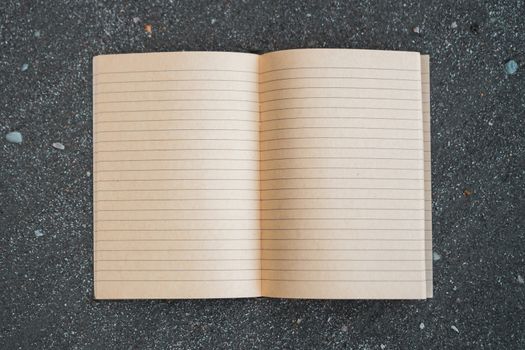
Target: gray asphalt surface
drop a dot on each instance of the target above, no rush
(478, 159)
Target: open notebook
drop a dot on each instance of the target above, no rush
(297, 174)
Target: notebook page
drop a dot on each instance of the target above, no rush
(425, 86)
(342, 178)
(176, 197)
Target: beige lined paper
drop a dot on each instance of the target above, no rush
(299, 174)
(176, 159)
(425, 86)
(342, 178)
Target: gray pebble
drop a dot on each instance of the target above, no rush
(454, 25)
(37, 34)
(14, 137)
(416, 30)
(455, 329)
(511, 67)
(421, 326)
(436, 256)
(24, 67)
(39, 233)
(520, 279)
(59, 146)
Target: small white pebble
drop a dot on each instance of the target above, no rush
(37, 34)
(308, 15)
(59, 146)
(455, 329)
(14, 137)
(416, 30)
(382, 346)
(520, 279)
(421, 326)
(213, 21)
(39, 233)
(344, 329)
(436, 256)
(491, 123)
(88, 173)
(454, 25)
(136, 20)
(299, 320)
(24, 67)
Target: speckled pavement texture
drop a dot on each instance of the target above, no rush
(478, 159)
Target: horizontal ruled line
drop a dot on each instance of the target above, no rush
(338, 78)
(291, 259)
(341, 137)
(237, 140)
(263, 229)
(343, 117)
(172, 179)
(188, 260)
(254, 91)
(340, 188)
(337, 148)
(175, 210)
(173, 80)
(276, 270)
(263, 190)
(256, 72)
(344, 167)
(368, 198)
(174, 270)
(252, 170)
(178, 199)
(251, 160)
(340, 97)
(340, 67)
(341, 107)
(177, 110)
(263, 239)
(177, 70)
(175, 120)
(263, 259)
(274, 219)
(176, 169)
(341, 128)
(172, 129)
(338, 158)
(176, 230)
(177, 250)
(264, 249)
(271, 179)
(341, 178)
(256, 200)
(336, 280)
(178, 100)
(174, 90)
(338, 87)
(177, 159)
(183, 189)
(175, 149)
(178, 280)
(250, 279)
